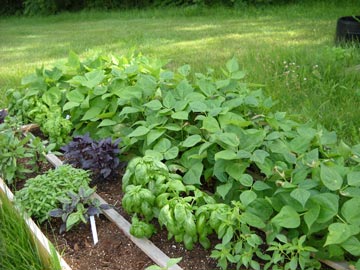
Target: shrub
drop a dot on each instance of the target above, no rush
(100, 157)
(40, 194)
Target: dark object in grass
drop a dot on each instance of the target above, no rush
(348, 29)
(100, 157)
(3, 114)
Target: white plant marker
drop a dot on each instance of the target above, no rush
(93, 230)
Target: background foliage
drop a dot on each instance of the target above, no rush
(47, 7)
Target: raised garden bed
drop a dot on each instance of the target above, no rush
(207, 159)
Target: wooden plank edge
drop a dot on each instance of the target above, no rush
(151, 250)
(38, 235)
(338, 265)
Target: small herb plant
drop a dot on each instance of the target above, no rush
(40, 194)
(20, 153)
(100, 157)
(77, 207)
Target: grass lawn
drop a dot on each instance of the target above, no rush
(288, 50)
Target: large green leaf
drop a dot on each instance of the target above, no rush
(210, 124)
(198, 106)
(52, 96)
(191, 141)
(329, 206)
(92, 113)
(229, 139)
(247, 197)
(169, 100)
(226, 155)
(75, 96)
(352, 245)
(224, 189)
(193, 175)
(139, 131)
(181, 115)
(301, 195)
(330, 177)
(287, 218)
(207, 87)
(353, 178)
(93, 78)
(232, 118)
(338, 233)
(171, 153)
(252, 220)
(350, 211)
(259, 156)
(154, 105)
(232, 65)
(311, 215)
(162, 145)
(153, 135)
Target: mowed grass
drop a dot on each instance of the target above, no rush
(288, 50)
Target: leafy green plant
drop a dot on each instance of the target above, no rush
(40, 194)
(77, 207)
(141, 229)
(169, 264)
(20, 153)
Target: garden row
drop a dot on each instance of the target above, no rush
(205, 156)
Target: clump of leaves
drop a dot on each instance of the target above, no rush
(77, 207)
(3, 114)
(141, 229)
(40, 194)
(20, 153)
(100, 157)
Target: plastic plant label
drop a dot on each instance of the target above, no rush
(93, 230)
